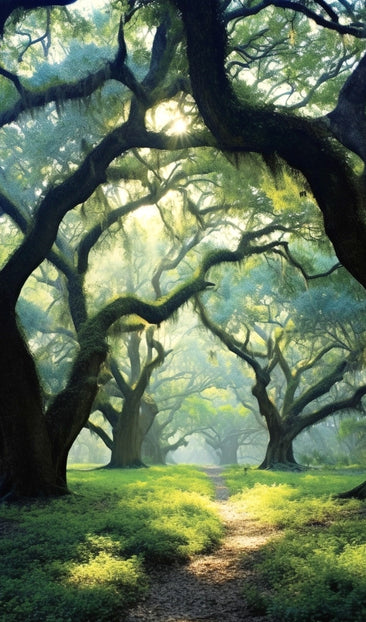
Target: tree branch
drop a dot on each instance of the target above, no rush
(107, 410)
(91, 238)
(305, 144)
(308, 277)
(96, 429)
(123, 386)
(335, 407)
(76, 189)
(320, 388)
(299, 7)
(8, 6)
(228, 340)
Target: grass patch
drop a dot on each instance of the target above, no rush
(84, 557)
(314, 570)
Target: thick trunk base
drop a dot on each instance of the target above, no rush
(359, 492)
(281, 466)
(280, 457)
(11, 491)
(27, 469)
(133, 464)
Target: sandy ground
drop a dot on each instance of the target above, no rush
(208, 587)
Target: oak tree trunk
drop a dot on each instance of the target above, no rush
(26, 465)
(359, 492)
(229, 451)
(127, 438)
(152, 452)
(279, 454)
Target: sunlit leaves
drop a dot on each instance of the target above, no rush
(278, 56)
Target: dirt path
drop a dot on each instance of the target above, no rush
(209, 587)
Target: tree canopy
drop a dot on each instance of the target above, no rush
(230, 121)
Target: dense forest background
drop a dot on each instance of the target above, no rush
(182, 200)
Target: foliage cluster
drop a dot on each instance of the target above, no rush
(314, 569)
(83, 557)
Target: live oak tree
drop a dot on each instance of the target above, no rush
(53, 162)
(131, 422)
(297, 351)
(321, 146)
(224, 424)
(166, 249)
(180, 388)
(34, 444)
(172, 427)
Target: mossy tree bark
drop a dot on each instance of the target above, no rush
(137, 413)
(306, 145)
(34, 444)
(127, 438)
(41, 470)
(26, 465)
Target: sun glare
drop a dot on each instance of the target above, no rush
(178, 126)
(168, 118)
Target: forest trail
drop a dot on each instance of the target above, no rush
(208, 587)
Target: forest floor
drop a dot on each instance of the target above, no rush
(210, 586)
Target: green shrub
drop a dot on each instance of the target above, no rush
(83, 557)
(314, 568)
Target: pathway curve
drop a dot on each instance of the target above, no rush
(209, 586)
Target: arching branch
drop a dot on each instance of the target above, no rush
(332, 408)
(8, 6)
(305, 144)
(98, 430)
(330, 20)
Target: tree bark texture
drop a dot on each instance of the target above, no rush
(127, 437)
(279, 454)
(306, 145)
(26, 465)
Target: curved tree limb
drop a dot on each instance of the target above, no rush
(117, 69)
(76, 189)
(331, 22)
(228, 340)
(70, 409)
(90, 239)
(304, 144)
(318, 390)
(98, 430)
(8, 6)
(294, 262)
(334, 407)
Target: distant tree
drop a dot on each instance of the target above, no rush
(132, 421)
(296, 362)
(225, 425)
(352, 431)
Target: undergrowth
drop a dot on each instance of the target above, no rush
(314, 568)
(84, 557)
